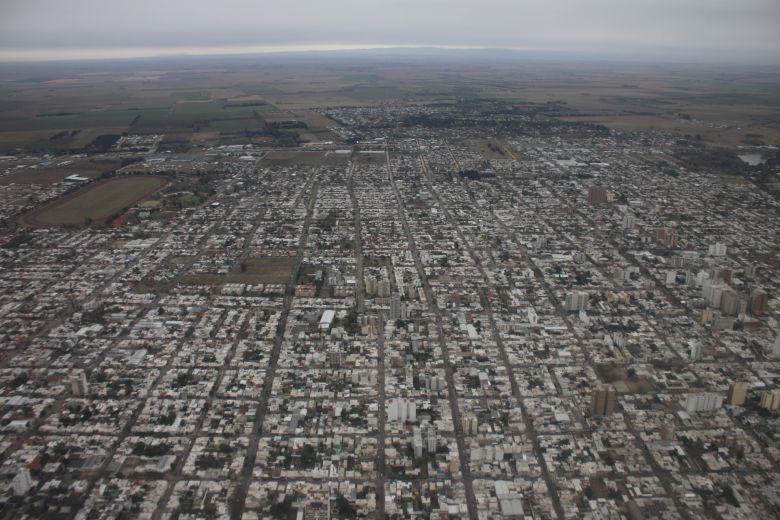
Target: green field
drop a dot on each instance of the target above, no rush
(97, 202)
(254, 270)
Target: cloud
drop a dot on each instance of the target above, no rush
(733, 28)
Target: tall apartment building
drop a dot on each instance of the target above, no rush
(603, 400)
(737, 394)
(597, 195)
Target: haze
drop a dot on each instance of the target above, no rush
(711, 30)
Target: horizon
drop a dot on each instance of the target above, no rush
(355, 51)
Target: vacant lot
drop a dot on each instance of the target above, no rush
(264, 269)
(97, 201)
(488, 148)
(292, 158)
(253, 271)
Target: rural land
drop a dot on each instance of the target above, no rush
(384, 284)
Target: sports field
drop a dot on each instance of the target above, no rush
(96, 202)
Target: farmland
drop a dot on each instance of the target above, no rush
(95, 202)
(64, 110)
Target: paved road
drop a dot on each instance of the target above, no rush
(471, 501)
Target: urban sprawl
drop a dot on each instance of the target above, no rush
(419, 320)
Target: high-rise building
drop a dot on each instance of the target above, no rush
(629, 221)
(770, 400)
(470, 425)
(431, 442)
(78, 385)
(402, 409)
(759, 302)
(666, 236)
(576, 301)
(729, 302)
(383, 288)
(737, 393)
(597, 195)
(395, 307)
(694, 348)
(371, 285)
(703, 402)
(776, 347)
(22, 482)
(417, 442)
(602, 401)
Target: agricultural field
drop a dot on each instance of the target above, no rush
(64, 109)
(96, 202)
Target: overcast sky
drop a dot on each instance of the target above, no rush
(731, 30)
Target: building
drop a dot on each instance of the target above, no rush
(759, 302)
(576, 301)
(317, 510)
(417, 442)
(667, 432)
(423, 441)
(395, 307)
(629, 221)
(78, 385)
(597, 195)
(704, 402)
(22, 482)
(602, 401)
(771, 400)
(470, 425)
(371, 285)
(431, 443)
(737, 394)
(717, 249)
(666, 236)
(327, 319)
(694, 349)
(402, 409)
(776, 347)
(729, 302)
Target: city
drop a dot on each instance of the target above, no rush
(464, 320)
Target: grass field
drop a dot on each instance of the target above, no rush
(265, 269)
(85, 168)
(256, 270)
(291, 158)
(97, 201)
(488, 148)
